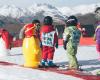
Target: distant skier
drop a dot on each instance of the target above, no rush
(97, 31)
(83, 30)
(49, 41)
(71, 37)
(5, 42)
(31, 44)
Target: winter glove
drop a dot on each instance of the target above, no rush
(40, 44)
(94, 37)
(64, 44)
(56, 45)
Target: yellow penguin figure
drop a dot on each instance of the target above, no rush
(31, 47)
(31, 52)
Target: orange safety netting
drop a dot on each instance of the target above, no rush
(83, 41)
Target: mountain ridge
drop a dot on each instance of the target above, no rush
(42, 10)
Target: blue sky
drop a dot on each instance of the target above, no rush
(56, 3)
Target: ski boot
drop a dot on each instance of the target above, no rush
(51, 64)
(43, 64)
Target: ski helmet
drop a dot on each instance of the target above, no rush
(35, 21)
(71, 21)
(48, 20)
(97, 13)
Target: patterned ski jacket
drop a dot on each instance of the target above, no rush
(48, 35)
(72, 35)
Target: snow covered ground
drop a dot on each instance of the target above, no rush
(87, 57)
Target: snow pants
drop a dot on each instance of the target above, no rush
(98, 48)
(31, 52)
(47, 53)
(71, 53)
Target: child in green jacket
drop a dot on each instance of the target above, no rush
(71, 37)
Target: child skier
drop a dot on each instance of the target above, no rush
(49, 41)
(31, 45)
(71, 37)
(5, 42)
(97, 31)
(97, 38)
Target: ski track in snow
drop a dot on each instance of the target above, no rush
(87, 57)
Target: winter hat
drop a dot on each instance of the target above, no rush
(71, 21)
(97, 13)
(35, 21)
(48, 20)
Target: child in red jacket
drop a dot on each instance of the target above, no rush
(49, 40)
(5, 42)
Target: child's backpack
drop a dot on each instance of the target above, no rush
(75, 37)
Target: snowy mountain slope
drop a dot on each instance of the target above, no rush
(19, 73)
(87, 57)
(45, 10)
(34, 10)
(80, 9)
(12, 11)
